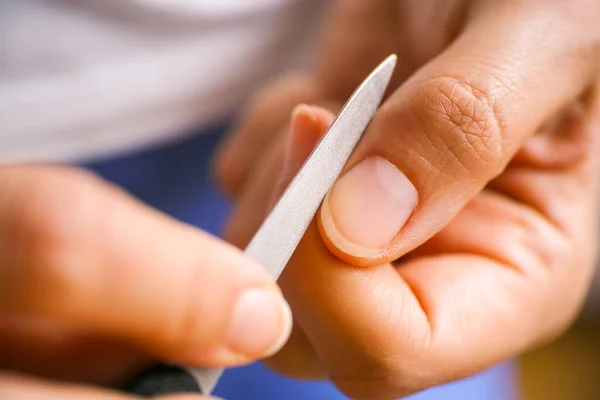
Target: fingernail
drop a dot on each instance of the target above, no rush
(298, 145)
(308, 124)
(303, 133)
(304, 109)
(261, 323)
(367, 207)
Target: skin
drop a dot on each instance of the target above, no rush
(494, 117)
(95, 286)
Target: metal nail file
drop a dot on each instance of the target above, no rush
(282, 230)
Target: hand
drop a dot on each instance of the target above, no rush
(94, 286)
(462, 231)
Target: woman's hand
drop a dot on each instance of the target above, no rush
(94, 286)
(462, 231)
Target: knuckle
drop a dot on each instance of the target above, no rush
(559, 268)
(567, 293)
(272, 105)
(185, 328)
(263, 120)
(270, 110)
(467, 121)
(292, 88)
(192, 320)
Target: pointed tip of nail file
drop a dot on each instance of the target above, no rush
(389, 65)
(392, 58)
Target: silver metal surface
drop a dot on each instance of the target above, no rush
(282, 230)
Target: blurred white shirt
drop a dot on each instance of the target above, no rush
(86, 79)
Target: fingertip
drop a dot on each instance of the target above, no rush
(324, 117)
(260, 325)
(311, 118)
(307, 125)
(303, 126)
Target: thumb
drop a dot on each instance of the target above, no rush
(449, 130)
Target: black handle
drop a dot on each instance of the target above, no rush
(163, 379)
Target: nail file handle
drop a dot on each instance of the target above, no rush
(163, 379)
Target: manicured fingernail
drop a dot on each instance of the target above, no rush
(367, 207)
(302, 137)
(303, 134)
(261, 323)
(308, 124)
(306, 110)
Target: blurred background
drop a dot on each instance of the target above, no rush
(568, 368)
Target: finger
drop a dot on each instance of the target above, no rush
(265, 119)
(307, 126)
(77, 250)
(384, 333)
(276, 170)
(46, 348)
(453, 127)
(15, 387)
(252, 202)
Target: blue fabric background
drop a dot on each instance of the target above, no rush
(176, 180)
